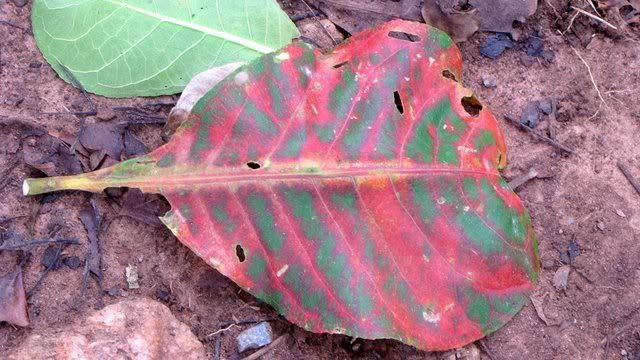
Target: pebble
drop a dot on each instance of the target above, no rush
(561, 277)
(489, 81)
(620, 213)
(529, 116)
(255, 337)
(600, 225)
(131, 273)
(548, 264)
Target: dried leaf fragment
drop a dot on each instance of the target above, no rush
(13, 301)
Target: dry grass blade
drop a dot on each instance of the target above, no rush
(593, 80)
(595, 17)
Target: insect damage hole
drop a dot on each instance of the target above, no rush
(240, 253)
(339, 65)
(471, 105)
(449, 75)
(398, 101)
(400, 35)
(253, 165)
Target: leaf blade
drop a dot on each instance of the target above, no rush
(138, 48)
(361, 219)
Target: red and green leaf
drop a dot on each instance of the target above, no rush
(377, 209)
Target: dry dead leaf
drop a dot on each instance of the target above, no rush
(197, 87)
(459, 24)
(13, 302)
(461, 18)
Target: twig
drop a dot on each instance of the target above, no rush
(593, 81)
(544, 138)
(627, 173)
(230, 324)
(39, 242)
(485, 349)
(595, 17)
(216, 347)
(267, 348)
(552, 119)
(573, 18)
(9, 23)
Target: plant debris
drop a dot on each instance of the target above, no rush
(460, 17)
(495, 45)
(13, 301)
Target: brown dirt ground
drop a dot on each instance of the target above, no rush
(597, 316)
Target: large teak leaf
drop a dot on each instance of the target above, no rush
(357, 192)
(123, 48)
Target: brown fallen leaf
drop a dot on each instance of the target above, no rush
(13, 302)
(462, 18)
(354, 16)
(197, 87)
(459, 24)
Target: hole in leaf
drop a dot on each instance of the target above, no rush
(400, 35)
(253, 165)
(240, 253)
(471, 105)
(398, 101)
(449, 75)
(339, 65)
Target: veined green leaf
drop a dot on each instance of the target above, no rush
(122, 48)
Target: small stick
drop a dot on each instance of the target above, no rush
(544, 138)
(485, 348)
(9, 23)
(627, 173)
(266, 349)
(522, 179)
(593, 81)
(552, 120)
(595, 17)
(39, 242)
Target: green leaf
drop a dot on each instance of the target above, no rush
(123, 48)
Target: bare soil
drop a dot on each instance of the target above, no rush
(584, 200)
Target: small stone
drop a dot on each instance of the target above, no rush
(131, 273)
(529, 115)
(20, 3)
(600, 225)
(623, 352)
(561, 277)
(620, 213)
(489, 81)
(255, 337)
(106, 114)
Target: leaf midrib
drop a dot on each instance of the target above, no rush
(203, 29)
(191, 178)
